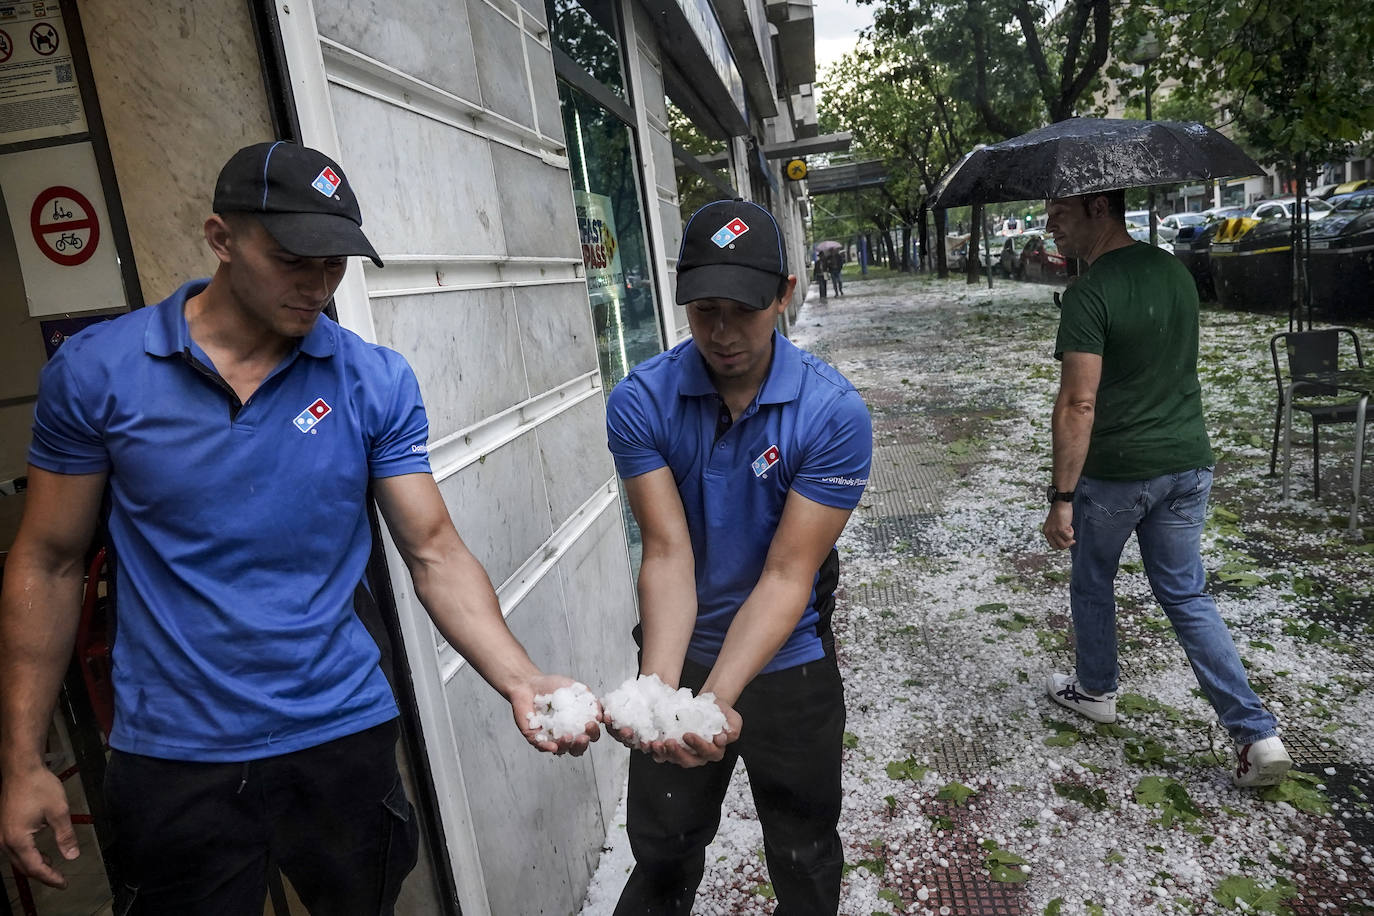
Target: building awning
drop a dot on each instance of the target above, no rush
(789, 149)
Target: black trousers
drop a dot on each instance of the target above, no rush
(791, 745)
(199, 837)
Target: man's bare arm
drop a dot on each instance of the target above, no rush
(39, 612)
(458, 595)
(806, 532)
(1071, 429)
(667, 573)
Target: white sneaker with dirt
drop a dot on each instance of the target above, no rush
(1263, 763)
(1064, 690)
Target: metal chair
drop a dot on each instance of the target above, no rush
(1309, 352)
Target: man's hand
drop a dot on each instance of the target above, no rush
(693, 750)
(1058, 527)
(28, 802)
(522, 705)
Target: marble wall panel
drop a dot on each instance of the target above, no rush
(538, 828)
(601, 613)
(556, 333)
(576, 461)
(651, 92)
(500, 63)
(501, 507)
(170, 128)
(424, 187)
(428, 39)
(536, 203)
(545, 89)
(665, 165)
(465, 350)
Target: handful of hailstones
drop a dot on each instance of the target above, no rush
(563, 713)
(656, 712)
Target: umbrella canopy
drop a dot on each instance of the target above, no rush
(1086, 155)
(828, 245)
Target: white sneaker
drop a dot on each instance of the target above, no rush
(1263, 763)
(1064, 690)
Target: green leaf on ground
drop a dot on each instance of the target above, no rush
(1170, 797)
(956, 792)
(1055, 907)
(850, 740)
(876, 867)
(1004, 866)
(1113, 858)
(907, 769)
(995, 608)
(765, 890)
(1301, 790)
(1237, 892)
(890, 896)
(1093, 799)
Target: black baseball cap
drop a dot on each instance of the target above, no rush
(300, 196)
(731, 249)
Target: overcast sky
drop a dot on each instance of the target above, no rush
(837, 24)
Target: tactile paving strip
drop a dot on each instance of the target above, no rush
(1308, 748)
(962, 755)
(895, 597)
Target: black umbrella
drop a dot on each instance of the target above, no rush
(1085, 155)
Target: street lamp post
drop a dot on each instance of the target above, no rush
(1147, 51)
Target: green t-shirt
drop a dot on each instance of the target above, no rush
(1137, 308)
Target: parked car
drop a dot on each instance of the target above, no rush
(1226, 212)
(1178, 221)
(1356, 200)
(1008, 262)
(1282, 207)
(1252, 263)
(1360, 184)
(1042, 260)
(1140, 219)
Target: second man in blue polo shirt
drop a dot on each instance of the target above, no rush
(743, 457)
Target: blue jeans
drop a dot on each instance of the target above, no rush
(1166, 513)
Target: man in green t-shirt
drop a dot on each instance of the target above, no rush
(1131, 454)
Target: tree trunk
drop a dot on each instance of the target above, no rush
(941, 230)
(975, 226)
(923, 239)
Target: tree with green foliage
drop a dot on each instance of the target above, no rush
(1019, 63)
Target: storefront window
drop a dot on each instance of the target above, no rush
(615, 252)
(585, 31)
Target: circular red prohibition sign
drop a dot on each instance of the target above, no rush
(57, 228)
(6, 46)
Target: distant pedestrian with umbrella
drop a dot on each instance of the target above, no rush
(1131, 454)
(1130, 450)
(832, 262)
(818, 273)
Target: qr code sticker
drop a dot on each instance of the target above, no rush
(63, 72)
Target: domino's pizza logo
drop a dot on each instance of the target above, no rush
(327, 182)
(729, 232)
(308, 419)
(763, 463)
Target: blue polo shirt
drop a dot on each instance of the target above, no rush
(808, 430)
(241, 530)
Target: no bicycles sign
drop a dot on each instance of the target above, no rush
(64, 225)
(62, 232)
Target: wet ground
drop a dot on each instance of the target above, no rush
(966, 791)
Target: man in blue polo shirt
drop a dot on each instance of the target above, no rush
(742, 457)
(237, 430)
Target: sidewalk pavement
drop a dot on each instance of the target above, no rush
(966, 791)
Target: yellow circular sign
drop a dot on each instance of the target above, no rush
(796, 169)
